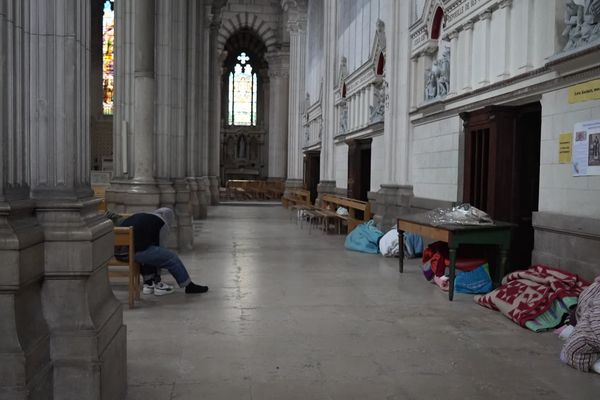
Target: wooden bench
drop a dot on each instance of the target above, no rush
(129, 269)
(295, 197)
(237, 189)
(358, 211)
(100, 191)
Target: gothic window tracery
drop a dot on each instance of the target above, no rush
(242, 93)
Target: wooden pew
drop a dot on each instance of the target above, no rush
(129, 269)
(295, 197)
(358, 211)
(100, 191)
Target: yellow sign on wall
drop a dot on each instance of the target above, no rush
(565, 148)
(584, 92)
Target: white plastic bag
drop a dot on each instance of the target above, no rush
(342, 211)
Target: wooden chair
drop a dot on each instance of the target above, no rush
(124, 237)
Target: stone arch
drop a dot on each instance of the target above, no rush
(263, 29)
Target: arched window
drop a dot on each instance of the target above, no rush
(108, 41)
(242, 93)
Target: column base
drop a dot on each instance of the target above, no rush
(203, 196)
(194, 197)
(214, 190)
(88, 340)
(567, 242)
(26, 371)
(129, 196)
(325, 187)
(185, 234)
(388, 203)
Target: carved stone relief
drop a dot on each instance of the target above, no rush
(437, 78)
(582, 24)
(343, 118)
(377, 110)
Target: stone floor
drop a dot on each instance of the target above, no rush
(294, 316)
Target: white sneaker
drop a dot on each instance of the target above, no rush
(148, 289)
(161, 288)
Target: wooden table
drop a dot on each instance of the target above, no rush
(455, 235)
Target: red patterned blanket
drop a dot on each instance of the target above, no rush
(525, 295)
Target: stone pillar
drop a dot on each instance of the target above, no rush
(279, 64)
(172, 129)
(500, 60)
(414, 89)
(483, 77)
(297, 28)
(453, 36)
(467, 39)
(328, 102)
(134, 188)
(394, 195)
(87, 335)
(214, 134)
(25, 365)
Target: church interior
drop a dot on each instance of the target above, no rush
(388, 199)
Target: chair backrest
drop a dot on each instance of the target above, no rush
(124, 237)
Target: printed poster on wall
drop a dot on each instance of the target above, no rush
(586, 148)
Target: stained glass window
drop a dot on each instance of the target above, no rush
(108, 38)
(242, 93)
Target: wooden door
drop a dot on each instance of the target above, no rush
(501, 169)
(312, 163)
(359, 168)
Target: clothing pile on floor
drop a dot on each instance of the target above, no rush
(366, 238)
(472, 274)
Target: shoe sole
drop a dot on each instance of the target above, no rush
(162, 292)
(147, 291)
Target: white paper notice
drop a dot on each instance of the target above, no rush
(586, 148)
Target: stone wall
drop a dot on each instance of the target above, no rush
(435, 151)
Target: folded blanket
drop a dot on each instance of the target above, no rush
(525, 295)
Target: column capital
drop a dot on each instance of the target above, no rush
(468, 26)
(505, 3)
(297, 25)
(486, 15)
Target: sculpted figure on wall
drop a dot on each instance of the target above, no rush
(437, 79)
(377, 110)
(343, 118)
(582, 23)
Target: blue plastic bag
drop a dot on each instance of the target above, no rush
(364, 238)
(477, 281)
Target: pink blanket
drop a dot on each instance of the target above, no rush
(525, 295)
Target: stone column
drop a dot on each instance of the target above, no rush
(483, 77)
(467, 39)
(278, 113)
(327, 183)
(500, 60)
(134, 188)
(25, 366)
(87, 335)
(297, 29)
(214, 134)
(172, 82)
(394, 195)
(453, 36)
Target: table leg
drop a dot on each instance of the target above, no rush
(401, 250)
(503, 262)
(452, 273)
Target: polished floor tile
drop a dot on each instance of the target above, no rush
(292, 315)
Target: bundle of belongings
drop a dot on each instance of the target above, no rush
(538, 298)
(389, 247)
(472, 274)
(582, 332)
(364, 238)
(462, 214)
